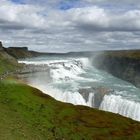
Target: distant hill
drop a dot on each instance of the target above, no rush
(22, 52)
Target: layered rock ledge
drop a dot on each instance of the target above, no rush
(122, 64)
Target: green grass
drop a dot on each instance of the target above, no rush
(27, 114)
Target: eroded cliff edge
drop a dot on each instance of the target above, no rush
(7, 62)
(123, 64)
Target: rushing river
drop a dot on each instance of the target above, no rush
(76, 80)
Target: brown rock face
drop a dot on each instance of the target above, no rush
(125, 66)
(99, 93)
(1, 46)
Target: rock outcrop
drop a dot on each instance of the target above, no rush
(22, 52)
(1, 46)
(122, 64)
(99, 93)
(8, 63)
(18, 52)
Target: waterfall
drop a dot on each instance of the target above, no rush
(118, 104)
(76, 81)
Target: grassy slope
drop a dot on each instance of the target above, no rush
(7, 62)
(27, 114)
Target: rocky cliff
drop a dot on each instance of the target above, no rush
(1, 46)
(122, 64)
(9, 56)
(7, 62)
(21, 52)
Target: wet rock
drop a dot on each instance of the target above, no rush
(85, 92)
(125, 66)
(98, 95)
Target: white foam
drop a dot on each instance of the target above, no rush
(90, 101)
(118, 104)
(63, 70)
(41, 62)
(67, 96)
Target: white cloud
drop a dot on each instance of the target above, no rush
(25, 15)
(90, 27)
(99, 19)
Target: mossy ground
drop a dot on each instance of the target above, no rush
(27, 114)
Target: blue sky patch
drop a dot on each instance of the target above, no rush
(18, 1)
(67, 4)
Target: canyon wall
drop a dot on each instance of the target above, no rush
(122, 64)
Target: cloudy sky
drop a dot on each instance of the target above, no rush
(70, 25)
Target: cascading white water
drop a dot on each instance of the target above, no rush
(118, 104)
(90, 101)
(67, 96)
(63, 69)
(68, 75)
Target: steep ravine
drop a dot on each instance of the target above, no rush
(122, 64)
